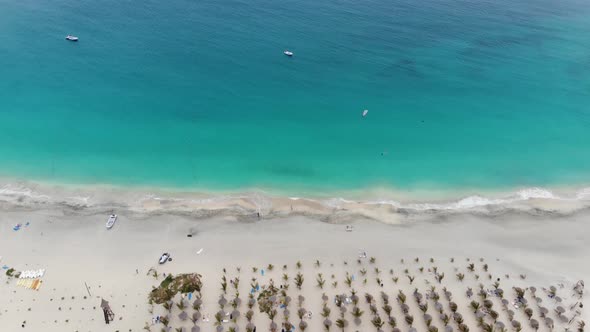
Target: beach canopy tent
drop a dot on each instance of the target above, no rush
(195, 329)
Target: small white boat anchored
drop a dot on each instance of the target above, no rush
(365, 112)
(111, 221)
(72, 38)
(288, 53)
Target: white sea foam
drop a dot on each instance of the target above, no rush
(31, 194)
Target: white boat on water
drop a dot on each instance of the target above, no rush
(72, 38)
(365, 112)
(111, 221)
(288, 53)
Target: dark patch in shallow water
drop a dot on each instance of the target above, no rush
(291, 171)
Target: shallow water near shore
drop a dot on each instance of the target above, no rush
(185, 94)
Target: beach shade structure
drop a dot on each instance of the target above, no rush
(538, 299)
(273, 299)
(553, 289)
(251, 302)
(222, 313)
(549, 322)
(222, 301)
(524, 301)
(560, 310)
(479, 314)
(505, 302)
(500, 325)
(182, 329)
(544, 311)
(286, 313)
(196, 316)
(327, 322)
(183, 316)
(235, 314)
(219, 328)
(300, 298)
(287, 300)
(343, 310)
(448, 294)
(273, 326)
(412, 329)
(325, 298)
(405, 308)
(195, 328)
(558, 299)
(534, 324)
(302, 325)
(250, 327)
(448, 328)
(469, 292)
(438, 306)
(197, 303)
(395, 329)
(532, 289)
(563, 318)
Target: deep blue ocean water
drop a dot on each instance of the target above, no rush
(198, 93)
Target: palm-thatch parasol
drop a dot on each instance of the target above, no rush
(500, 325)
(563, 318)
(533, 289)
(273, 326)
(327, 322)
(302, 325)
(273, 299)
(549, 321)
(534, 324)
(538, 299)
(235, 314)
(558, 299)
(183, 315)
(405, 308)
(286, 312)
(196, 315)
(288, 300)
(325, 298)
(251, 302)
(438, 306)
(343, 310)
(448, 328)
(219, 328)
(197, 303)
(412, 329)
(505, 302)
(222, 301)
(560, 310)
(195, 329)
(250, 326)
(479, 314)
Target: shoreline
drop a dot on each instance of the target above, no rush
(377, 204)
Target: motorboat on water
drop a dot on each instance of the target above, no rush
(72, 38)
(288, 53)
(365, 112)
(111, 221)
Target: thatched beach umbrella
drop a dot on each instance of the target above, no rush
(412, 329)
(500, 325)
(325, 298)
(479, 314)
(558, 299)
(343, 310)
(327, 322)
(544, 311)
(538, 299)
(197, 303)
(273, 299)
(560, 310)
(196, 316)
(438, 306)
(288, 300)
(183, 316)
(250, 326)
(302, 325)
(549, 322)
(273, 326)
(251, 302)
(195, 329)
(405, 308)
(563, 318)
(505, 302)
(219, 328)
(533, 289)
(235, 314)
(395, 329)
(534, 324)
(222, 301)
(448, 328)
(286, 313)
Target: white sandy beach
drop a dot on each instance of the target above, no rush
(76, 249)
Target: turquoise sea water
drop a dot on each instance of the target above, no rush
(197, 93)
